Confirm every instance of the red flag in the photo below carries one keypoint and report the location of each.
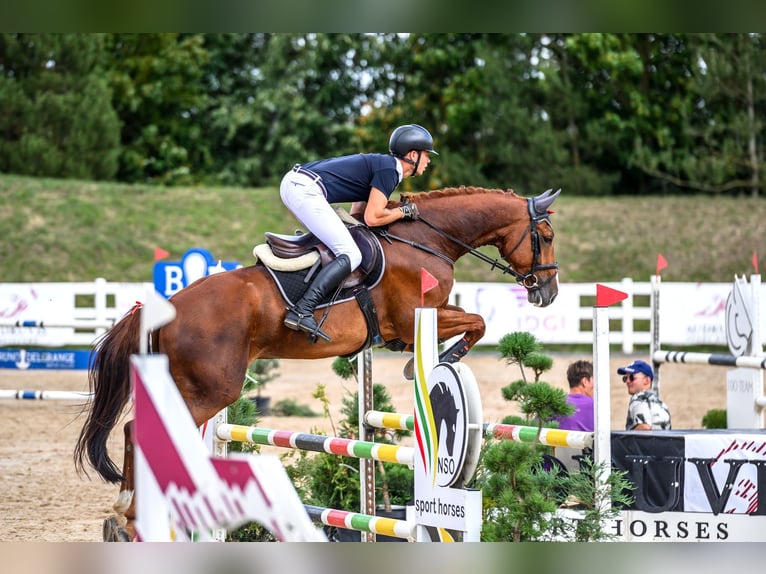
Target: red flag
(427, 282)
(661, 263)
(160, 253)
(755, 262)
(606, 296)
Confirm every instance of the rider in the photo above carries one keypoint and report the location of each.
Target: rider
(308, 190)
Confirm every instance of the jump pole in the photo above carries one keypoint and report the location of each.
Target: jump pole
(364, 450)
(516, 433)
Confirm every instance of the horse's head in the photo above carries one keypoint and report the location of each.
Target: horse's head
(532, 257)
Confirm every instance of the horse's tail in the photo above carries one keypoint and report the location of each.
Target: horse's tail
(109, 379)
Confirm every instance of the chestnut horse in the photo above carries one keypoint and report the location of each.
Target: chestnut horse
(226, 320)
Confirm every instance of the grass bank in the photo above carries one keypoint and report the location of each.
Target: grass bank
(66, 230)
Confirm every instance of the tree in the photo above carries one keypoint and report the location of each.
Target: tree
(157, 81)
(722, 145)
(56, 118)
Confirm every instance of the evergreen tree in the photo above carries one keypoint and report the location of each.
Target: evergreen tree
(56, 118)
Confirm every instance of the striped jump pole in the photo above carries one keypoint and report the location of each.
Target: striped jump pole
(709, 359)
(361, 522)
(517, 433)
(45, 395)
(317, 443)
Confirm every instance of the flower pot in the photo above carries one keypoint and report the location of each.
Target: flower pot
(263, 404)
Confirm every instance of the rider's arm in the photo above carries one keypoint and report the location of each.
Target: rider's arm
(376, 213)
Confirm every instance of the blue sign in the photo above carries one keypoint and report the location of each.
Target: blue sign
(172, 276)
(58, 359)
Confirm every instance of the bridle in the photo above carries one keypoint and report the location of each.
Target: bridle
(529, 280)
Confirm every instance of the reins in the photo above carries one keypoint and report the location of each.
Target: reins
(524, 279)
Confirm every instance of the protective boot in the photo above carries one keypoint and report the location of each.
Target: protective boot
(301, 315)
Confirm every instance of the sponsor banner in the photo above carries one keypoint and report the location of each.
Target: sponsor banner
(172, 276)
(637, 526)
(732, 466)
(712, 471)
(56, 359)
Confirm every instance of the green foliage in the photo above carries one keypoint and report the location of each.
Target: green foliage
(518, 497)
(597, 113)
(597, 498)
(715, 419)
(291, 408)
(57, 119)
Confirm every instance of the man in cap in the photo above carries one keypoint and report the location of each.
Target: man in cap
(645, 411)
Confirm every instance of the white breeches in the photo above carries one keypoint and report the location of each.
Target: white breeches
(306, 201)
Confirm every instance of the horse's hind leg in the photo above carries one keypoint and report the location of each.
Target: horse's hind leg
(121, 528)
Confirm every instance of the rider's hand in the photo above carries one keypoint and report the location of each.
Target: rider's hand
(410, 211)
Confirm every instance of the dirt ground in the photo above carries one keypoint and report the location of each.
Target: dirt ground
(43, 499)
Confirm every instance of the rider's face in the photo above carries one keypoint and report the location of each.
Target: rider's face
(423, 161)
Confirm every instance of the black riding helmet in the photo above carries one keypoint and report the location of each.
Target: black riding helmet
(409, 137)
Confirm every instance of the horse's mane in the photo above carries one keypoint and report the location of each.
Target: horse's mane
(450, 191)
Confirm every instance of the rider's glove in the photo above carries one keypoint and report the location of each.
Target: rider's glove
(410, 211)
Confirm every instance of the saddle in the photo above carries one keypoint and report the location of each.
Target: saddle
(294, 260)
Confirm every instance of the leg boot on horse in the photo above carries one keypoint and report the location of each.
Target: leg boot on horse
(301, 316)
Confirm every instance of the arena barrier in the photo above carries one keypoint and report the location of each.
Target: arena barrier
(745, 400)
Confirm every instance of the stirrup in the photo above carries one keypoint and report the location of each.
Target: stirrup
(304, 323)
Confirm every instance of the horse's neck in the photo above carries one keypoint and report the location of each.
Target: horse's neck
(473, 218)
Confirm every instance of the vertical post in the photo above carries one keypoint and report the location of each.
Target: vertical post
(756, 348)
(602, 436)
(366, 466)
(628, 317)
(654, 329)
(99, 302)
(426, 358)
(219, 448)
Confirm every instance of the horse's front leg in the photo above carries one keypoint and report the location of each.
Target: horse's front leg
(453, 321)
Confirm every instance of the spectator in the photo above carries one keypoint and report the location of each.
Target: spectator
(645, 411)
(580, 378)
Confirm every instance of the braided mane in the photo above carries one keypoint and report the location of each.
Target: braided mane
(450, 191)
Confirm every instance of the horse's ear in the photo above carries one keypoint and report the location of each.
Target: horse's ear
(543, 201)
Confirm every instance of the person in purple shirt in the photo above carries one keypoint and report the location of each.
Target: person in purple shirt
(580, 378)
(309, 189)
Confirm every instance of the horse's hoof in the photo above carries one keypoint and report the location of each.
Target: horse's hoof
(112, 531)
(409, 370)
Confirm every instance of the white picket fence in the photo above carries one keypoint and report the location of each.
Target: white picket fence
(61, 314)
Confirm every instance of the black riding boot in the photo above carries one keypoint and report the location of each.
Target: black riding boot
(301, 316)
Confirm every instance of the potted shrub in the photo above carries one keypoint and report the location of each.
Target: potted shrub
(258, 374)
